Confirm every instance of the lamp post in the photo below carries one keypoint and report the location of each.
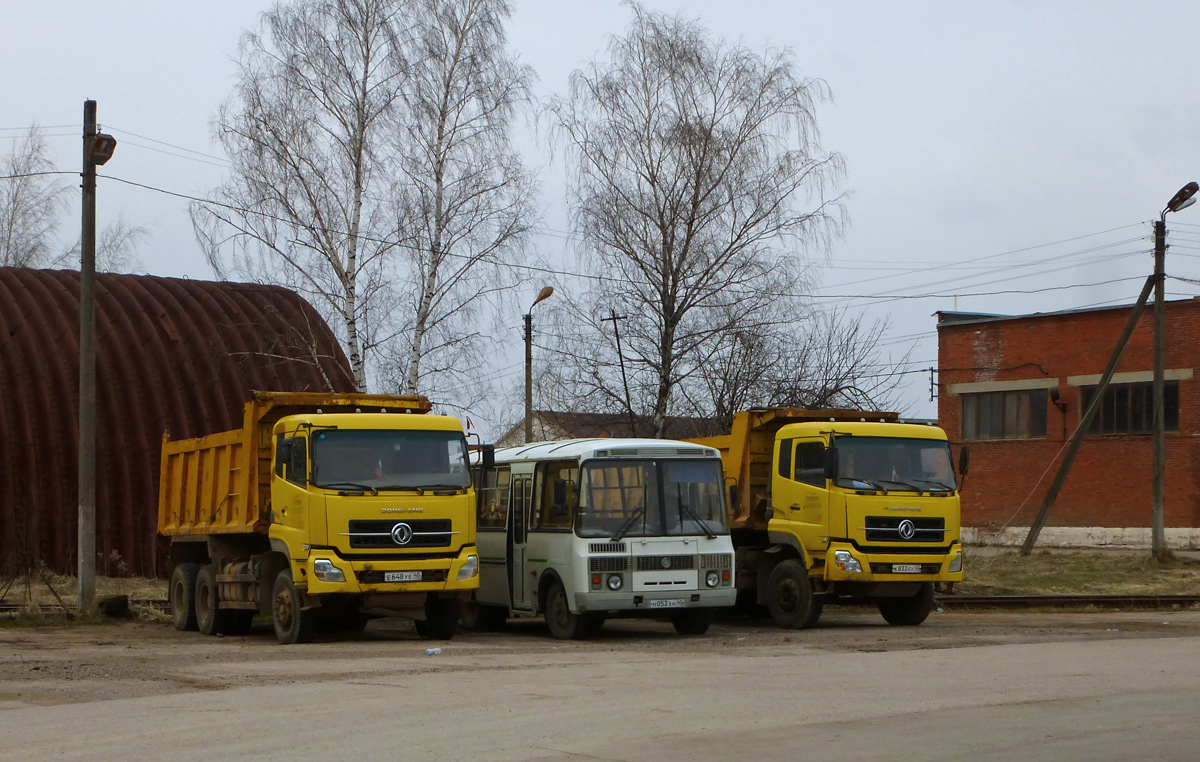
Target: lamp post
(97, 149)
(544, 294)
(1181, 200)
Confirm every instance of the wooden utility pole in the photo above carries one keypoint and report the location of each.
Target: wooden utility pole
(614, 317)
(87, 371)
(1157, 532)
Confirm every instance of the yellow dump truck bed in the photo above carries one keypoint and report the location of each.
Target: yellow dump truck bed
(221, 483)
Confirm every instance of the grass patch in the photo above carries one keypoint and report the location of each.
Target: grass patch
(1056, 572)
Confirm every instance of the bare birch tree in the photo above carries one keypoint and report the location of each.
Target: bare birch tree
(310, 201)
(466, 200)
(698, 179)
(31, 204)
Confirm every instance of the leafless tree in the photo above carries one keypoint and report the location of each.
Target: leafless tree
(116, 249)
(466, 200)
(31, 204)
(698, 179)
(310, 201)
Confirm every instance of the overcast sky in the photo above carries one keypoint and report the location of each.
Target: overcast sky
(991, 147)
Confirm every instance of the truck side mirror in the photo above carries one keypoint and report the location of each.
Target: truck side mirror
(285, 452)
(964, 460)
(831, 463)
(487, 456)
(733, 497)
(560, 491)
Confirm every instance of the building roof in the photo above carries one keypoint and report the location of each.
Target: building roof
(555, 425)
(949, 318)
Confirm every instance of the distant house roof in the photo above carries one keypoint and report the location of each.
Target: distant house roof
(550, 425)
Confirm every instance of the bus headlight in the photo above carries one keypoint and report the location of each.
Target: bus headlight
(324, 570)
(956, 564)
(712, 579)
(846, 562)
(470, 569)
(614, 582)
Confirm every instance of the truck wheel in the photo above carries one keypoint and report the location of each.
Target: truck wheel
(692, 621)
(210, 618)
(183, 596)
(790, 597)
(441, 619)
(293, 624)
(562, 623)
(480, 617)
(908, 611)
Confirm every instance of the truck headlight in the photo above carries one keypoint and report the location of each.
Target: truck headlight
(846, 562)
(712, 579)
(470, 569)
(956, 564)
(324, 570)
(614, 582)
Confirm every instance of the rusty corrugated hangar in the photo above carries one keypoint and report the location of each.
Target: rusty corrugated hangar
(171, 354)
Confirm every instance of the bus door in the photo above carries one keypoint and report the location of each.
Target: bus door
(517, 534)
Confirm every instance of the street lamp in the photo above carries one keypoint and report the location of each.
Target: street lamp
(543, 295)
(1181, 200)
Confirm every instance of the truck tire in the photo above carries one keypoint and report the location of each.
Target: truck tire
(908, 612)
(562, 623)
(790, 597)
(293, 624)
(211, 619)
(480, 617)
(183, 596)
(441, 619)
(692, 621)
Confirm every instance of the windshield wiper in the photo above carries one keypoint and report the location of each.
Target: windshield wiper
(873, 485)
(404, 488)
(944, 487)
(352, 485)
(456, 487)
(912, 487)
(688, 509)
(625, 527)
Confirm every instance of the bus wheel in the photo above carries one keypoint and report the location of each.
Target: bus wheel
(692, 621)
(183, 596)
(293, 624)
(211, 619)
(908, 611)
(441, 619)
(562, 623)
(790, 597)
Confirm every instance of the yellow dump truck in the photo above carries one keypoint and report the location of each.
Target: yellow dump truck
(835, 506)
(321, 511)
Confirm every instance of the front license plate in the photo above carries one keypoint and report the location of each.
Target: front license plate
(670, 603)
(402, 576)
(906, 568)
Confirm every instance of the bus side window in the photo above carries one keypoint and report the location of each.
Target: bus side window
(493, 507)
(560, 494)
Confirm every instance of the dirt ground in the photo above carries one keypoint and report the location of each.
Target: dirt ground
(42, 665)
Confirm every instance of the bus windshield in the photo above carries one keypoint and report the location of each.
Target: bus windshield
(647, 498)
(895, 464)
(381, 459)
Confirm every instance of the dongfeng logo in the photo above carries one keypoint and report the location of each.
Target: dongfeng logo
(402, 533)
(907, 530)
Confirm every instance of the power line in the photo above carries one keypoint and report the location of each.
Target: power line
(169, 145)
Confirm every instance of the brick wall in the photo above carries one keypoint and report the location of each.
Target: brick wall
(1110, 482)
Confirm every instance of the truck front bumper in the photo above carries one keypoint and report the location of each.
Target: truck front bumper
(436, 574)
(892, 567)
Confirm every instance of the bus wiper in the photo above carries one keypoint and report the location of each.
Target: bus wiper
(944, 487)
(628, 524)
(352, 485)
(688, 509)
(912, 487)
(404, 488)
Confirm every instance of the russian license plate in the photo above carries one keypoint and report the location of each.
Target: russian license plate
(669, 603)
(402, 576)
(906, 568)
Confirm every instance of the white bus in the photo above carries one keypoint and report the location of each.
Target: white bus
(587, 529)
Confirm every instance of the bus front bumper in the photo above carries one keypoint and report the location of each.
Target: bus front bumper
(630, 603)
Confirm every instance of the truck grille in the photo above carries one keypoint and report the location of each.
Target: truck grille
(889, 529)
(660, 563)
(425, 533)
(608, 563)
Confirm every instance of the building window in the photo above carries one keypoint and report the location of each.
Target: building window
(1129, 408)
(1004, 415)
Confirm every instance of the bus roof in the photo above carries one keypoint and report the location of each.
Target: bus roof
(582, 449)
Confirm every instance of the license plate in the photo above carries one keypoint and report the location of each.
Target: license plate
(669, 603)
(906, 568)
(402, 576)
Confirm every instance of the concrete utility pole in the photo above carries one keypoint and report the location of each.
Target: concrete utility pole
(544, 294)
(614, 317)
(97, 149)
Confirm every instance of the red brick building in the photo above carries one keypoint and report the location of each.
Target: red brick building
(998, 375)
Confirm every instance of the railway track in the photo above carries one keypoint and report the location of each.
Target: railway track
(945, 601)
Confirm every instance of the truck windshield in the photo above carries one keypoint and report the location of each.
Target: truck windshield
(895, 464)
(377, 459)
(646, 498)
